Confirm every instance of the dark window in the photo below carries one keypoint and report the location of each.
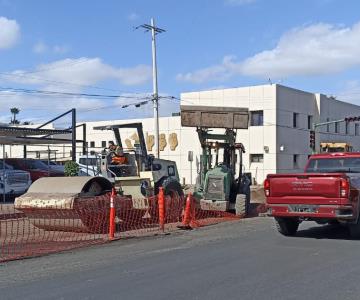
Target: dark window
(310, 122)
(346, 128)
(92, 144)
(295, 120)
(328, 125)
(325, 165)
(257, 118)
(296, 161)
(103, 144)
(336, 127)
(356, 129)
(256, 158)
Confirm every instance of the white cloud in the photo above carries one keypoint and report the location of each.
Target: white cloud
(40, 48)
(9, 33)
(238, 2)
(220, 72)
(42, 108)
(79, 71)
(133, 17)
(310, 50)
(60, 49)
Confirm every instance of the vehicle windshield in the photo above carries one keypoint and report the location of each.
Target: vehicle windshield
(334, 165)
(7, 167)
(90, 161)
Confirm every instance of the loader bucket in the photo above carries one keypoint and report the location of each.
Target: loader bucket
(67, 203)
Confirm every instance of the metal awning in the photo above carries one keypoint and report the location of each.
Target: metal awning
(32, 136)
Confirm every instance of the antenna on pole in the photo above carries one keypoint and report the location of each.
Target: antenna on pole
(154, 31)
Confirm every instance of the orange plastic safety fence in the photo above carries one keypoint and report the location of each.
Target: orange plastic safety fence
(37, 231)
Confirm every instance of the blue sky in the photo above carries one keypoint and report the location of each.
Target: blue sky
(72, 46)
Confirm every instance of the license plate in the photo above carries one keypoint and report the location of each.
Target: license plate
(301, 208)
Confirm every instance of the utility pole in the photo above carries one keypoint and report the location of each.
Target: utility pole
(154, 31)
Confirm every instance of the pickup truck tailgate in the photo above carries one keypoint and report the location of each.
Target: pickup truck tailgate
(305, 188)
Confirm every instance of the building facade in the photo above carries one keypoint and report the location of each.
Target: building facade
(277, 140)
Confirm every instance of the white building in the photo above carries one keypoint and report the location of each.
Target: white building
(276, 141)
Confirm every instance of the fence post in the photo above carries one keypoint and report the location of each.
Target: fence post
(161, 204)
(112, 215)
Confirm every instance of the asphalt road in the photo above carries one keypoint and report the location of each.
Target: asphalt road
(237, 260)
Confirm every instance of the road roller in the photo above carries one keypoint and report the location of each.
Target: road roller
(82, 203)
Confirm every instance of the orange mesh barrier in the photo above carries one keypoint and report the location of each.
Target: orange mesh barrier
(33, 232)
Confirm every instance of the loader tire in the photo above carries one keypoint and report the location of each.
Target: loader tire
(287, 226)
(242, 205)
(170, 186)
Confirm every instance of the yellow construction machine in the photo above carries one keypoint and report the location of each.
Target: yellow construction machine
(57, 203)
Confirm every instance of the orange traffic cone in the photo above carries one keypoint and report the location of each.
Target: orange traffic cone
(112, 215)
(187, 214)
(161, 204)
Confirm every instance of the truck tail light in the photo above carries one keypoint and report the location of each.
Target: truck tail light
(344, 188)
(267, 187)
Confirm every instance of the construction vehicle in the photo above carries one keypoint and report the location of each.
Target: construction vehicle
(136, 181)
(220, 185)
(335, 147)
(142, 174)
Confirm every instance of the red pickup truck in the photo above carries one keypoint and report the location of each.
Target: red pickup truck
(328, 192)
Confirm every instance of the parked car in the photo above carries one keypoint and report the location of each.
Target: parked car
(89, 165)
(13, 182)
(53, 165)
(36, 168)
(327, 193)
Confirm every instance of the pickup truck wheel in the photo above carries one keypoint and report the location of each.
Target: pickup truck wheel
(355, 229)
(287, 226)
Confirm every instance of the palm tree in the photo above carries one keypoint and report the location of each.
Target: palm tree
(14, 111)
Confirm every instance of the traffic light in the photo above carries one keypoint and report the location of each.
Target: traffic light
(352, 119)
(312, 139)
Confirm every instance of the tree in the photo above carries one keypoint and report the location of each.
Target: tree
(14, 111)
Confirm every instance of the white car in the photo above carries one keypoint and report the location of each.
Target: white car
(89, 165)
(13, 182)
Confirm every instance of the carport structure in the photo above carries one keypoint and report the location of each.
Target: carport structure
(11, 135)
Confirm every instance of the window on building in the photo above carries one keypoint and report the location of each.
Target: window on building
(328, 125)
(356, 129)
(257, 118)
(103, 144)
(256, 158)
(336, 127)
(295, 120)
(346, 128)
(92, 144)
(296, 161)
(310, 122)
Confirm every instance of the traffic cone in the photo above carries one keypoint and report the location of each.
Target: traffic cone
(112, 215)
(161, 205)
(187, 214)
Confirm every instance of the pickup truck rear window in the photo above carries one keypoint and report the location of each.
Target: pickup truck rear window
(334, 165)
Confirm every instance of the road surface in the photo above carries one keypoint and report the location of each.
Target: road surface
(244, 259)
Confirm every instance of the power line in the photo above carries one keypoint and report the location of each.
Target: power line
(58, 93)
(57, 82)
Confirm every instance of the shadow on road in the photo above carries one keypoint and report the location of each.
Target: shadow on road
(334, 232)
